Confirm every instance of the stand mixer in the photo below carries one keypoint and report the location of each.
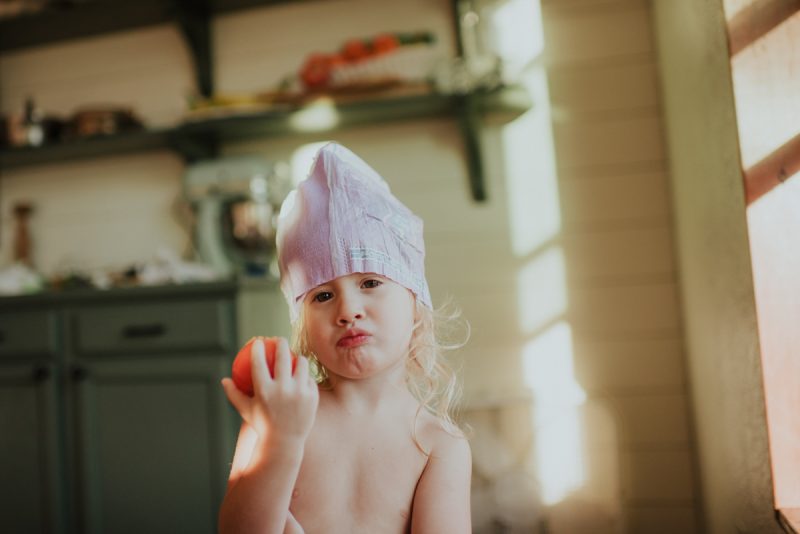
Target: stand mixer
(236, 201)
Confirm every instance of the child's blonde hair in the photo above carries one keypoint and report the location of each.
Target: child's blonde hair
(429, 376)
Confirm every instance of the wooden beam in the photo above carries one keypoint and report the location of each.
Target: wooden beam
(773, 170)
(757, 20)
(790, 519)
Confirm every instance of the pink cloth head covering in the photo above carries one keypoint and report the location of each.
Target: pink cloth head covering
(343, 219)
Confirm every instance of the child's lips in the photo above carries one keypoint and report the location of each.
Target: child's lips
(353, 341)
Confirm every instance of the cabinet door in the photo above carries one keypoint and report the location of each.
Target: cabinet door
(26, 334)
(31, 481)
(154, 438)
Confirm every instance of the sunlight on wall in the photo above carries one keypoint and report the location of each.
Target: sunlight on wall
(535, 225)
(541, 287)
(547, 363)
(510, 36)
(532, 193)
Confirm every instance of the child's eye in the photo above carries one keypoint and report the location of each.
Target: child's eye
(322, 296)
(372, 283)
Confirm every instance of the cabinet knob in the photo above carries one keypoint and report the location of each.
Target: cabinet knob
(41, 373)
(79, 374)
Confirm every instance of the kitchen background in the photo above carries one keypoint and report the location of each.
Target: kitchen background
(599, 275)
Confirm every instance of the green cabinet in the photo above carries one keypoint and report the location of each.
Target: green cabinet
(31, 478)
(32, 483)
(112, 417)
(146, 432)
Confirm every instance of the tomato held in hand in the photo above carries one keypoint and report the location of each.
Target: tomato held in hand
(242, 370)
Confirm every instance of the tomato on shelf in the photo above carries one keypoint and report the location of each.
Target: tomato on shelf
(357, 60)
(316, 71)
(356, 49)
(385, 42)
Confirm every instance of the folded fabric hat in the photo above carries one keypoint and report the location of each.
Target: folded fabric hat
(343, 219)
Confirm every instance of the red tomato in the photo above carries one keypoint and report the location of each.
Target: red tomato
(355, 49)
(316, 71)
(336, 60)
(242, 370)
(385, 42)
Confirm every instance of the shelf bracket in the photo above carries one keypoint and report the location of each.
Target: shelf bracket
(467, 110)
(469, 121)
(194, 18)
(195, 147)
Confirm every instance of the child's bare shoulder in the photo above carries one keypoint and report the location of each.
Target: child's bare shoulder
(443, 439)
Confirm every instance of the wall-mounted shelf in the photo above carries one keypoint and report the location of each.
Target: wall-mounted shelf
(91, 147)
(87, 19)
(64, 22)
(199, 139)
(202, 138)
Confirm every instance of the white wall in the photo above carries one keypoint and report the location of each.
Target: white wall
(613, 182)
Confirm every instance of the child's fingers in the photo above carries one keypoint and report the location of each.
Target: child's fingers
(236, 397)
(312, 378)
(304, 376)
(283, 360)
(312, 384)
(258, 367)
(301, 372)
(307, 378)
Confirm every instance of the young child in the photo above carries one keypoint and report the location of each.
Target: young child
(368, 446)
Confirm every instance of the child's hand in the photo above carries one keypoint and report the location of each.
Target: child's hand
(285, 405)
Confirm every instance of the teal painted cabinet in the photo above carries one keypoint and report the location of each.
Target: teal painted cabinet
(32, 483)
(30, 467)
(118, 424)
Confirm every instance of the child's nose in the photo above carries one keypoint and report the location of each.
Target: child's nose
(350, 309)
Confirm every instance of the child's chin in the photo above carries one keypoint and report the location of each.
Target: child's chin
(359, 365)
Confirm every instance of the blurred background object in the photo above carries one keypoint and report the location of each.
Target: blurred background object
(477, 66)
(22, 234)
(31, 127)
(102, 120)
(15, 8)
(236, 201)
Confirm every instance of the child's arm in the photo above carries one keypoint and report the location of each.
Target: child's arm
(442, 499)
(270, 447)
(245, 446)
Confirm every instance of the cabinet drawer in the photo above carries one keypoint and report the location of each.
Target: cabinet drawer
(152, 327)
(27, 333)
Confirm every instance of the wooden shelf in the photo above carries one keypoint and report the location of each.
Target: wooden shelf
(90, 18)
(97, 17)
(201, 138)
(91, 147)
(388, 108)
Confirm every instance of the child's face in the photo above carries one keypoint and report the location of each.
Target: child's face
(360, 324)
